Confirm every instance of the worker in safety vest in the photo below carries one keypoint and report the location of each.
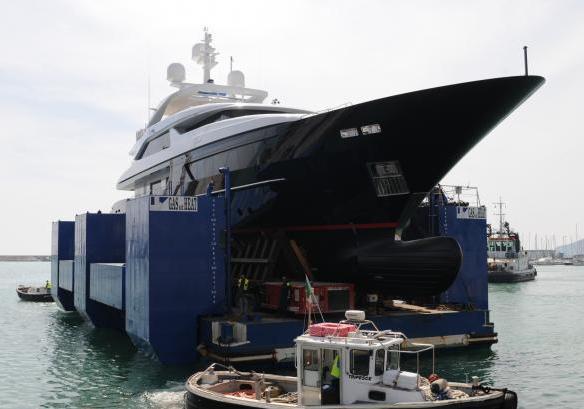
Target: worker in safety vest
(336, 377)
(243, 290)
(48, 285)
(335, 370)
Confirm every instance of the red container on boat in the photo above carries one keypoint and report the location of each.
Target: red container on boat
(324, 329)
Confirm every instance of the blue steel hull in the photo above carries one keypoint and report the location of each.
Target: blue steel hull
(266, 337)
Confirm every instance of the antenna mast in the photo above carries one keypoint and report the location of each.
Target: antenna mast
(500, 204)
(525, 60)
(204, 54)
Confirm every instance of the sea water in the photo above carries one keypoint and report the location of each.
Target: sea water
(53, 359)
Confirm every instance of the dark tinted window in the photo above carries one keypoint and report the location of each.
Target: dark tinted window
(379, 361)
(221, 116)
(360, 362)
(156, 145)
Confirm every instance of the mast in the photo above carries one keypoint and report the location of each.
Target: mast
(204, 54)
(501, 215)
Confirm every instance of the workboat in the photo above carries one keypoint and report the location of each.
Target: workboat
(350, 364)
(507, 261)
(364, 168)
(38, 294)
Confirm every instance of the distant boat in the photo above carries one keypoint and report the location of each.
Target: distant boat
(37, 294)
(507, 261)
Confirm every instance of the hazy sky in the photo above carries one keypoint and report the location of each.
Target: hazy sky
(74, 74)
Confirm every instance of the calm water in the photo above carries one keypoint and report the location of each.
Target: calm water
(53, 359)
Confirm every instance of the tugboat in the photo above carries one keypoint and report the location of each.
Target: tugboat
(37, 294)
(350, 364)
(507, 261)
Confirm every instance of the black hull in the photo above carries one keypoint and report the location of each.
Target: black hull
(326, 196)
(508, 401)
(34, 297)
(504, 277)
(327, 179)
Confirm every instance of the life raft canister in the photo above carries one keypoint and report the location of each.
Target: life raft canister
(325, 329)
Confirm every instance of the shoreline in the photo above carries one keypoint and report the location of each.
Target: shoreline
(25, 258)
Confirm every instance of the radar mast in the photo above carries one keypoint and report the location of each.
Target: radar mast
(204, 54)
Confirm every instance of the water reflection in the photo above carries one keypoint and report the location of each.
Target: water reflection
(460, 365)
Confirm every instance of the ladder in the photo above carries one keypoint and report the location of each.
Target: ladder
(254, 257)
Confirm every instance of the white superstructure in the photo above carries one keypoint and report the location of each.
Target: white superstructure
(194, 116)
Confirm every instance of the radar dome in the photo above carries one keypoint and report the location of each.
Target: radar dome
(236, 79)
(175, 73)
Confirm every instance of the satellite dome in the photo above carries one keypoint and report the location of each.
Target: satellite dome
(175, 73)
(236, 79)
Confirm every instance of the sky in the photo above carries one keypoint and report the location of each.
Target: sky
(74, 78)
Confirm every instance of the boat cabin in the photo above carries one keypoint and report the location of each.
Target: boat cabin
(342, 363)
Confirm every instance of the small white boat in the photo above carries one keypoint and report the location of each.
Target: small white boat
(369, 376)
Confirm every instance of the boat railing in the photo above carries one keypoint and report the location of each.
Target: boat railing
(329, 109)
(417, 352)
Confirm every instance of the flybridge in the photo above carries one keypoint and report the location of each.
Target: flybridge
(190, 94)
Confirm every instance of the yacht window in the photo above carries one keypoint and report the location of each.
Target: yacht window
(379, 361)
(155, 187)
(360, 362)
(156, 145)
(221, 116)
(310, 359)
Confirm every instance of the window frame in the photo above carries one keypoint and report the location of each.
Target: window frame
(393, 356)
(352, 361)
(376, 362)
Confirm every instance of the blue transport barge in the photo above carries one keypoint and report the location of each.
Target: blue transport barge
(162, 273)
(237, 203)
